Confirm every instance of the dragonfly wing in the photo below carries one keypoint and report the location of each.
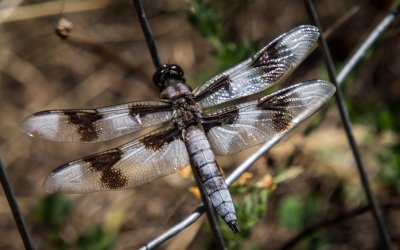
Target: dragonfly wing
(271, 64)
(96, 125)
(236, 128)
(143, 160)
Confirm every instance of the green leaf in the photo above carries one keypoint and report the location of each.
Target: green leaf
(389, 174)
(205, 20)
(295, 212)
(95, 238)
(290, 212)
(250, 210)
(231, 53)
(52, 210)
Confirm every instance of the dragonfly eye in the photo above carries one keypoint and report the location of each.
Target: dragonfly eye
(167, 72)
(175, 70)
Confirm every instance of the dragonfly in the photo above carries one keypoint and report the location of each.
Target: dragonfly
(190, 127)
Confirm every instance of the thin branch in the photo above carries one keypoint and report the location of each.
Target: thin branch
(243, 167)
(377, 214)
(338, 218)
(19, 220)
(147, 33)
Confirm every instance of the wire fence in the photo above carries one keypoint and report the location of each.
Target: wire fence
(338, 80)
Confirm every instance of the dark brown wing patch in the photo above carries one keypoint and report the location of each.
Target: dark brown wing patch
(225, 117)
(222, 82)
(271, 61)
(111, 177)
(158, 140)
(281, 121)
(275, 51)
(142, 110)
(85, 124)
(279, 104)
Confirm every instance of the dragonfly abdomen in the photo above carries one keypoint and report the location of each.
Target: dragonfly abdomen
(203, 160)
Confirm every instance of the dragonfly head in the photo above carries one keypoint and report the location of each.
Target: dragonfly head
(167, 72)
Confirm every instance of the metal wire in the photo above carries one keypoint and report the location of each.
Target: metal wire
(12, 202)
(244, 166)
(147, 33)
(364, 47)
(376, 211)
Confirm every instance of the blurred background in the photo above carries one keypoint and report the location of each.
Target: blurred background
(307, 185)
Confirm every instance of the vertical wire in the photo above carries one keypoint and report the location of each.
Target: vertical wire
(212, 218)
(19, 220)
(147, 33)
(377, 213)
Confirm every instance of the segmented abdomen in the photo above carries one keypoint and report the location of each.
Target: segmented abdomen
(202, 158)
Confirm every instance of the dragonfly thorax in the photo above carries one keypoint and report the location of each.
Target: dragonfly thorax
(175, 89)
(170, 79)
(186, 113)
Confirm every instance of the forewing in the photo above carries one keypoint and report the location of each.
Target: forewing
(145, 159)
(95, 125)
(264, 69)
(239, 127)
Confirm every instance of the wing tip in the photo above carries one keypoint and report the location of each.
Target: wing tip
(26, 127)
(31, 125)
(50, 184)
(55, 182)
(44, 125)
(331, 88)
(308, 27)
(305, 29)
